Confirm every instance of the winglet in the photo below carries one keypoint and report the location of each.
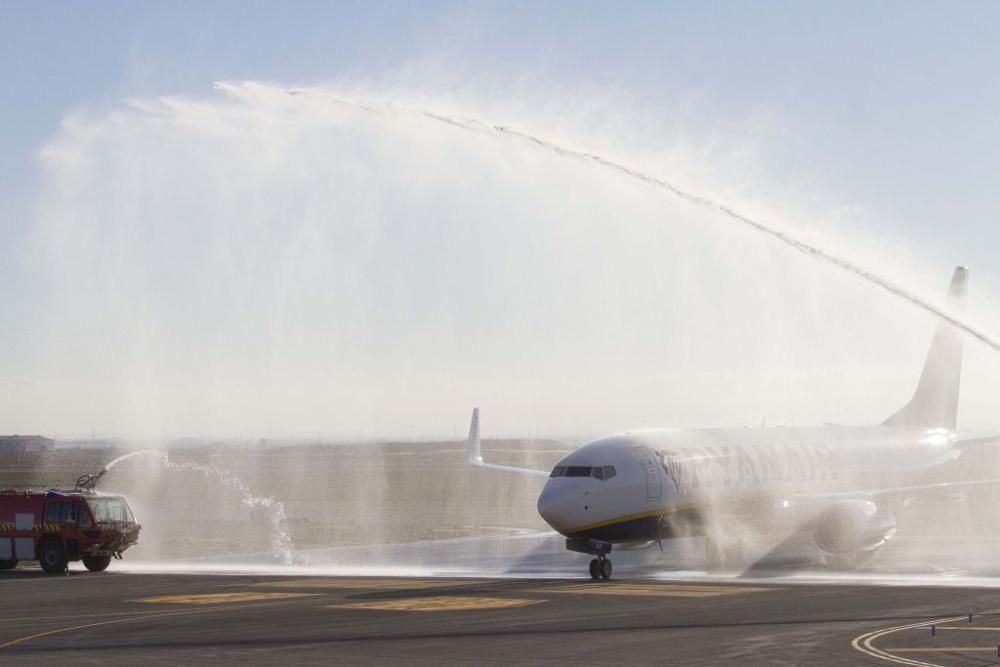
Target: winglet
(935, 401)
(474, 453)
(473, 450)
(959, 286)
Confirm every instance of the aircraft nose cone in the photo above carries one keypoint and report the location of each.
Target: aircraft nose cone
(546, 505)
(556, 505)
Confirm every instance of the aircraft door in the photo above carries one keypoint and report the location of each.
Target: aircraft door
(654, 478)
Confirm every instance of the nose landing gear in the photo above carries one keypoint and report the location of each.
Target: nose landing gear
(600, 568)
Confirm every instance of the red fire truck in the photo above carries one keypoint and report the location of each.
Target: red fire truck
(55, 527)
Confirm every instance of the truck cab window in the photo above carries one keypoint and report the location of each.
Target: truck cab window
(53, 513)
(70, 512)
(110, 509)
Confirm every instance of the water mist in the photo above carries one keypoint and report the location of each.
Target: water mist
(304, 277)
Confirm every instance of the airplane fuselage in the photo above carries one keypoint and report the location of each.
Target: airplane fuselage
(666, 481)
(845, 484)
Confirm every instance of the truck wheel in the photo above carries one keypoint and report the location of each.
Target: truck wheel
(8, 564)
(52, 556)
(96, 563)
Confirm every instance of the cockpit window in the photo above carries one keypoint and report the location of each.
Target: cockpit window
(604, 472)
(597, 472)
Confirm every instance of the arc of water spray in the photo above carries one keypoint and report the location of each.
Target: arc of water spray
(281, 540)
(785, 237)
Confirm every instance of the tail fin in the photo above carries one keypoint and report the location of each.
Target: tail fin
(935, 402)
(473, 449)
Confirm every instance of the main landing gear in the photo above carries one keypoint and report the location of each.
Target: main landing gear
(600, 566)
(724, 554)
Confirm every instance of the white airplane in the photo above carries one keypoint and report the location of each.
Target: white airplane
(844, 484)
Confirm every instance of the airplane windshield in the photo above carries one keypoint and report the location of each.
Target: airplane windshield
(597, 472)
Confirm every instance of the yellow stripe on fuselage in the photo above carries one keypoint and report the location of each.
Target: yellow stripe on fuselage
(662, 511)
(839, 485)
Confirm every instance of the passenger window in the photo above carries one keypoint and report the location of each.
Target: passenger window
(53, 513)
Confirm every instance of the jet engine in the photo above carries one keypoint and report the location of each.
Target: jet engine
(853, 525)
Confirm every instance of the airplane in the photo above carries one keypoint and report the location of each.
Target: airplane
(844, 484)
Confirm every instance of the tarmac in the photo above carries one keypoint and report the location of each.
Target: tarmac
(196, 618)
(408, 558)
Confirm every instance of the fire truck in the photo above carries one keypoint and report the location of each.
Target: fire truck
(55, 527)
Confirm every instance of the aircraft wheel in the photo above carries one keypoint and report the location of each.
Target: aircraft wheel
(595, 569)
(845, 562)
(713, 555)
(605, 569)
(735, 555)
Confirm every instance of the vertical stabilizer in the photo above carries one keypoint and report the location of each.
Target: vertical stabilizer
(935, 402)
(473, 449)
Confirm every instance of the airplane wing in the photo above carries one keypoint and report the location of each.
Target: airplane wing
(899, 494)
(805, 509)
(972, 443)
(943, 490)
(473, 453)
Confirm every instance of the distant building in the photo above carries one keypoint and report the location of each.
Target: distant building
(19, 444)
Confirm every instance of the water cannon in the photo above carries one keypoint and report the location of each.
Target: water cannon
(87, 483)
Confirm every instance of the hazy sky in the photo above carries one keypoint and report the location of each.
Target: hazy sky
(879, 119)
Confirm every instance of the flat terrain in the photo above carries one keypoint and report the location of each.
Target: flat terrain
(255, 498)
(237, 499)
(401, 554)
(185, 618)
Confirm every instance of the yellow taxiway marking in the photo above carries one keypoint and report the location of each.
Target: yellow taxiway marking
(38, 635)
(942, 649)
(220, 598)
(865, 643)
(654, 590)
(130, 619)
(439, 603)
(43, 578)
(389, 583)
(25, 619)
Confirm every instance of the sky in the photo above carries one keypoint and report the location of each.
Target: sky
(873, 124)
